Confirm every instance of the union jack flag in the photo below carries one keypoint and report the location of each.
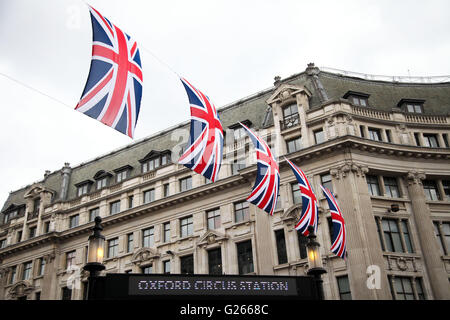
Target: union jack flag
(203, 154)
(310, 210)
(265, 191)
(113, 89)
(338, 243)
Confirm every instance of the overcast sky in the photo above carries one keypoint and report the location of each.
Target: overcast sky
(228, 49)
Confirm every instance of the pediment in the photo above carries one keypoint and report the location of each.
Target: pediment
(287, 92)
(21, 288)
(292, 213)
(101, 174)
(36, 189)
(154, 154)
(211, 236)
(144, 255)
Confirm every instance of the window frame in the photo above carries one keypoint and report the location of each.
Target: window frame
(185, 184)
(186, 226)
(113, 248)
(241, 211)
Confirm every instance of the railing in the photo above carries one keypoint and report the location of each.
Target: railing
(372, 113)
(404, 79)
(290, 122)
(32, 215)
(426, 119)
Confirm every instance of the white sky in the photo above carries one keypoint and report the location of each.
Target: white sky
(228, 49)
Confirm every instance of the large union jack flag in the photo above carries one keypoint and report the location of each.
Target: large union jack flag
(338, 243)
(309, 215)
(204, 151)
(265, 191)
(113, 89)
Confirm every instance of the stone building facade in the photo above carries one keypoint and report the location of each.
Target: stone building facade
(381, 146)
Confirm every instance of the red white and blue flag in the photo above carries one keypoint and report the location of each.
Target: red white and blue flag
(113, 89)
(265, 191)
(338, 243)
(204, 151)
(309, 215)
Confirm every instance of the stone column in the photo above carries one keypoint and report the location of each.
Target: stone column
(303, 106)
(47, 290)
(428, 243)
(363, 244)
(264, 247)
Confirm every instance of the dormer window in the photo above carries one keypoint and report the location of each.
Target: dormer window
(102, 179)
(411, 105)
(123, 173)
(83, 187)
(290, 117)
(239, 131)
(357, 98)
(154, 160)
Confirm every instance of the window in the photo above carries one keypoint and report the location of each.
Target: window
(114, 207)
(130, 201)
(344, 288)
(389, 135)
(102, 182)
(319, 136)
(37, 296)
(166, 227)
(394, 232)
(290, 117)
(10, 215)
(148, 237)
(70, 258)
(237, 165)
(391, 187)
(166, 190)
(213, 217)
(402, 288)
(446, 141)
(279, 204)
(147, 269)
(155, 163)
(93, 213)
(446, 187)
(241, 211)
(442, 232)
(359, 101)
(186, 227)
(281, 246)
(414, 107)
(431, 190)
(47, 227)
(296, 194)
(19, 236)
(32, 232)
(215, 261)
(239, 133)
(372, 183)
(130, 238)
(375, 134)
(187, 264)
(2, 243)
(13, 275)
(166, 266)
(149, 195)
(36, 205)
(121, 175)
(41, 267)
(417, 139)
(73, 221)
(325, 180)
(27, 270)
(245, 257)
(83, 189)
(302, 241)
(294, 144)
(66, 293)
(185, 184)
(362, 131)
(430, 140)
(391, 236)
(113, 247)
(406, 236)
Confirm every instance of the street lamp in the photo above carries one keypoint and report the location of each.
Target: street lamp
(315, 261)
(94, 263)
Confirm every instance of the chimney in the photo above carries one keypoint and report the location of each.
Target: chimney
(277, 81)
(65, 172)
(46, 174)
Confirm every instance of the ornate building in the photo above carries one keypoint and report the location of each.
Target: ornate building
(381, 145)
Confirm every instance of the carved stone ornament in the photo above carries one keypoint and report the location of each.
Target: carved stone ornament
(414, 177)
(348, 167)
(402, 264)
(285, 94)
(211, 237)
(144, 255)
(21, 288)
(292, 214)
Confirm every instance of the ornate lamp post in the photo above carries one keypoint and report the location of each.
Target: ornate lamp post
(315, 261)
(95, 257)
